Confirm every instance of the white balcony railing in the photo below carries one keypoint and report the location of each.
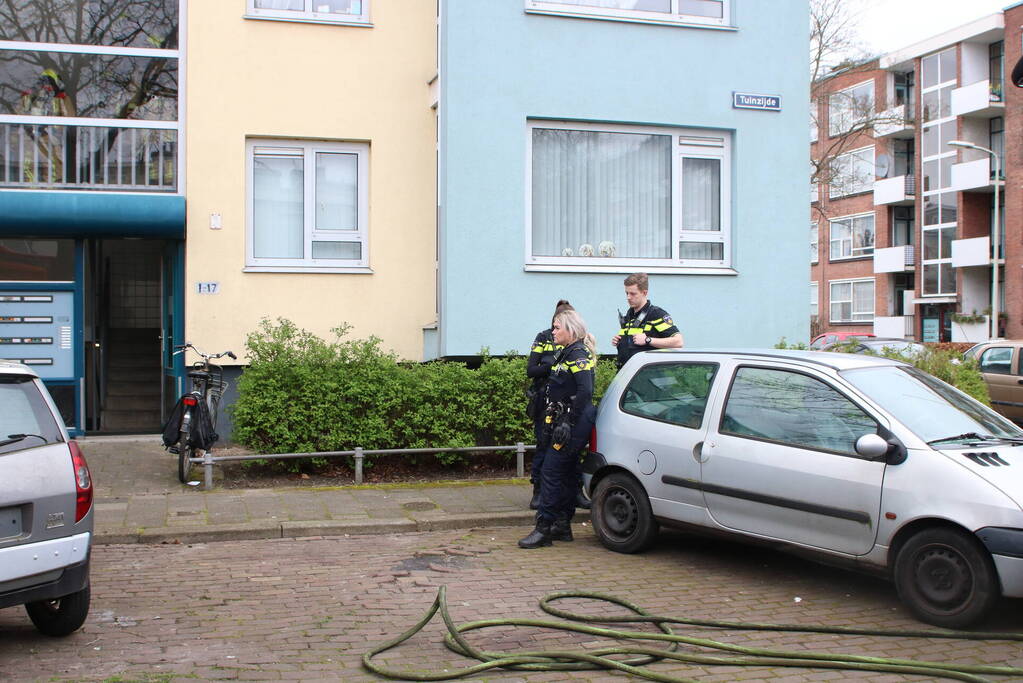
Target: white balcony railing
(895, 326)
(894, 259)
(972, 175)
(895, 191)
(88, 158)
(893, 123)
(983, 98)
(975, 251)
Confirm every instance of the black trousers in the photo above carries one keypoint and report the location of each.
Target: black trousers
(559, 474)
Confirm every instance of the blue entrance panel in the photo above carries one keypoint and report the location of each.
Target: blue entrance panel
(37, 329)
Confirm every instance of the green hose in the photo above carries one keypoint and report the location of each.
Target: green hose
(639, 656)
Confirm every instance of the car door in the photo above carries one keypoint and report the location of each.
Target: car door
(780, 461)
(662, 413)
(1000, 367)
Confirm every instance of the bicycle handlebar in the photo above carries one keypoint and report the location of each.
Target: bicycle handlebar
(182, 348)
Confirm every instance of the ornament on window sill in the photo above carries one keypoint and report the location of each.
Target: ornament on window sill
(567, 251)
(586, 250)
(607, 249)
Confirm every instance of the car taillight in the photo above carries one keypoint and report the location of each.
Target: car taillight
(189, 401)
(83, 482)
(593, 439)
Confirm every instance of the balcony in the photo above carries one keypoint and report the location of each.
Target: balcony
(971, 332)
(56, 157)
(893, 123)
(896, 326)
(897, 191)
(972, 252)
(973, 175)
(981, 99)
(894, 259)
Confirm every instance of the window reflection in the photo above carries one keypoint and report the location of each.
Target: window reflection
(670, 392)
(121, 23)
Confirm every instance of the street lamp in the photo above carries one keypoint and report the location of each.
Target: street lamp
(995, 232)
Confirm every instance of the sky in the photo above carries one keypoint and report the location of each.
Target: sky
(887, 25)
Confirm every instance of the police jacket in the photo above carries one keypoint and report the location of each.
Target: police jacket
(541, 357)
(652, 321)
(571, 380)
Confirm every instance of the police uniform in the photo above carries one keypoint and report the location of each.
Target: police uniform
(653, 321)
(538, 367)
(569, 384)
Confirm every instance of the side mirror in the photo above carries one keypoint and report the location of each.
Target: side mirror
(871, 446)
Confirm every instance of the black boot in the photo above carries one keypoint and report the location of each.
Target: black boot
(534, 502)
(540, 536)
(581, 501)
(561, 530)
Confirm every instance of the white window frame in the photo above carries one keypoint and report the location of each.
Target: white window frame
(815, 300)
(863, 252)
(308, 264)
(851, 300)
(309, 14)
(815, 244)
(675, 17)
(841, 120)
(847, 188)
(687, 143)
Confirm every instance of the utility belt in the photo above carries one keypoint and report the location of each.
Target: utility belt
(557, 423)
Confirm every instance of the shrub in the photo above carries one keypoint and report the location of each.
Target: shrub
(304, 394)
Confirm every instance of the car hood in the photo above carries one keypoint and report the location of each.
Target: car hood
(1001, 465)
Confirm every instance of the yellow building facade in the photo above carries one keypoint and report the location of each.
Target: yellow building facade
(310, 162)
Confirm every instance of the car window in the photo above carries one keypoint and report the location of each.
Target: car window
(23, 410)
(997, 360)
(670, 392)
(793, 408)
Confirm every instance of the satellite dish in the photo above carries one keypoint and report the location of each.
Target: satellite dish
(882, 165)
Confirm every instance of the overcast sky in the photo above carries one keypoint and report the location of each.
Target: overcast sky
(887, 25)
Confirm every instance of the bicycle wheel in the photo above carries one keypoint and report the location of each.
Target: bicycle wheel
(184, 458)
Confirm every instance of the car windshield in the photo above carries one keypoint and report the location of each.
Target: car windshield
(897, 346)
(932, 409)
(25, 419)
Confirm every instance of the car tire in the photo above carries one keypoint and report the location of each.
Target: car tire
(62, 616)
(946, 577)
(621, 514)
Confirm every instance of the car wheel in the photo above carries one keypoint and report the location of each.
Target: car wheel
(62, 616)
(621, 514)
(184, 459)
(946, 577)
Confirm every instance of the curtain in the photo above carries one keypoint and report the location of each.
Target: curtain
(337, 191)
(601, 194)
(701, 194)
(277, 223)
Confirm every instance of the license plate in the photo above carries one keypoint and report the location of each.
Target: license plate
(10, 522)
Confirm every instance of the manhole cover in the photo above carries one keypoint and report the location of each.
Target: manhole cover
(419, 505)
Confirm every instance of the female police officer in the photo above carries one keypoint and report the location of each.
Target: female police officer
(538, 367)
(570, 413)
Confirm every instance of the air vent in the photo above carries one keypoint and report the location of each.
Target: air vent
(987, 459)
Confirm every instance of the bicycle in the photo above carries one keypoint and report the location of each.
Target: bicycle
(208, 387)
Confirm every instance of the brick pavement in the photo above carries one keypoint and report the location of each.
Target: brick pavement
(306, 609)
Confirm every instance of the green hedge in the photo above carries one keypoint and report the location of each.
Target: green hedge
(303, 394)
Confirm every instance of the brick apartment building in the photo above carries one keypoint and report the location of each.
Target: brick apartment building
(901, 221)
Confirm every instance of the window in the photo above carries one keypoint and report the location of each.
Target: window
(903, 232)
(307, 205)
(619, 196)
(940, 210)
(670, 392)
(997, 361)
(328, 11)
(852, 301)
(794, 409)
(814, 244)
(815, 191)
(814, 300)
(813, 122)
(698, 12)
(851, 108)
(852, 173)
(996, 143)
(852, 237)
(996, 68)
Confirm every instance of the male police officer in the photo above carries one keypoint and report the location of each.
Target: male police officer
(644, 326)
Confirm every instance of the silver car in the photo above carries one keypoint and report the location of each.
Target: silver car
(46, 517)
(855, 460)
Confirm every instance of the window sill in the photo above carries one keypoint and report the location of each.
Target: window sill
(845, 259)
(851, 322)
(359, 270)
(311, 20)
(626, 268)
(631, 20)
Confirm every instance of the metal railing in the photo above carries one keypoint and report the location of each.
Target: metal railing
(208, 460)
(65, 157)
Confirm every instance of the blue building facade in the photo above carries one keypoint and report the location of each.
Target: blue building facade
(580, 143)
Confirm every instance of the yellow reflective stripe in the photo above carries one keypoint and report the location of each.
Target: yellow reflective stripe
(662, 327)
(538, 348)
(630, 331)
(580, 365)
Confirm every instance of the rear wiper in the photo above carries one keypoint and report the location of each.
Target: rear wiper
(15, 438)
(974, 436)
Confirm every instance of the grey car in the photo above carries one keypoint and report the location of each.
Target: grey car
(854, 460)
(46, 517)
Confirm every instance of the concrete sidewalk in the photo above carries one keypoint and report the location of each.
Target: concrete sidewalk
(139, 500)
